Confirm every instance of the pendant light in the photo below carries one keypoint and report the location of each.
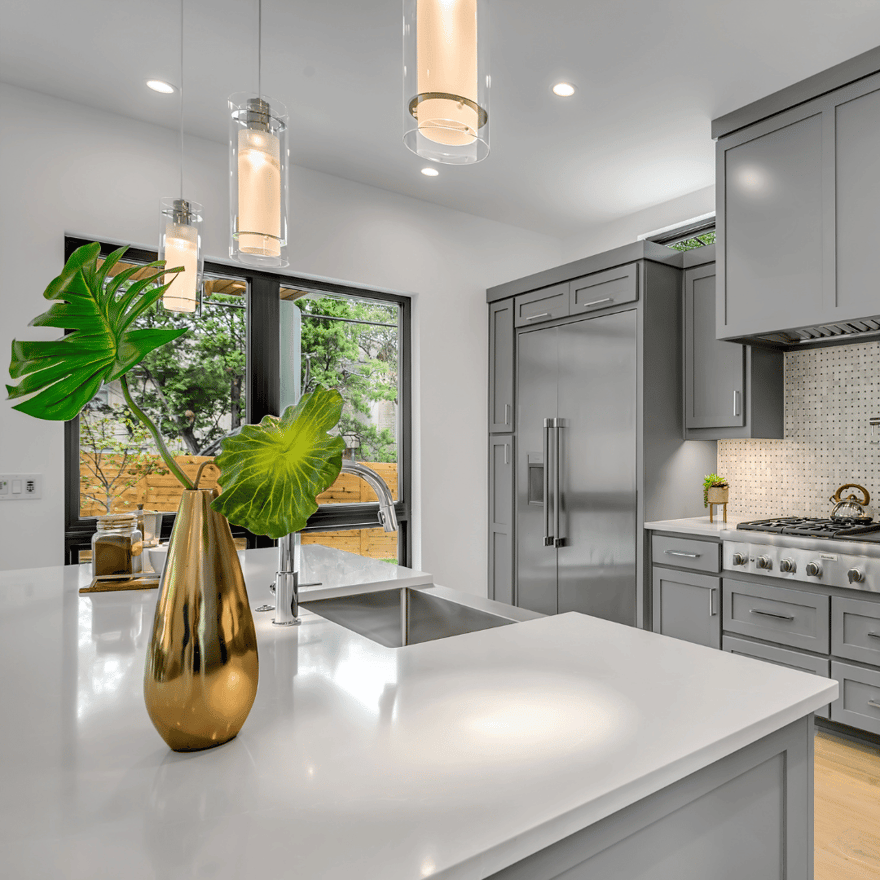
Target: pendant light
(179, 239)
(258, 160)
(446, 80)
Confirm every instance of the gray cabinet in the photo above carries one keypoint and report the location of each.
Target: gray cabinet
(541, 305)
(730, 390)
(686, 606)
(501, 367)
(602, 290)
(797, 196)
(858, 703)
(501, 518)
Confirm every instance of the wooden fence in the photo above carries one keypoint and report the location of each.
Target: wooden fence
(163, 492)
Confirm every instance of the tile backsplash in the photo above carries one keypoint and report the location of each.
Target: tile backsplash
(830, 394)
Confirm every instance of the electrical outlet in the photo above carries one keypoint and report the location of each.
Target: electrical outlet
(18, 487)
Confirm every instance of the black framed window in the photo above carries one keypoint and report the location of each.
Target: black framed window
(258, 339)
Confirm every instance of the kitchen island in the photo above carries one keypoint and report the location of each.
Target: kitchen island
(521, 750)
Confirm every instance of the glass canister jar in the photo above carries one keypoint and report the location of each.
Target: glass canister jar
(117, 546)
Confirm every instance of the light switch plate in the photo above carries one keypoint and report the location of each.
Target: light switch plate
(20, 487)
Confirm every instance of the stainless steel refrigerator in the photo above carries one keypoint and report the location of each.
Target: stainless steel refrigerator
(576, 504)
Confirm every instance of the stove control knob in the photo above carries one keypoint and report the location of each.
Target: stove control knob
(787, 565)
(764, 562)
(814, 570)
(855, 576)
(739, 559)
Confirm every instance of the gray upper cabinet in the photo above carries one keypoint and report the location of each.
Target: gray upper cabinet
(541, 305)
(797, 196)
(501, 367)
(730, 390)
(603, 290)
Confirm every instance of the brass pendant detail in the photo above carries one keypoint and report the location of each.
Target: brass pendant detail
(201, 672)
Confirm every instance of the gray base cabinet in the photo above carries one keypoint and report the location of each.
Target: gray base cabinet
(731, 391)
(686, 606)
(749, 815)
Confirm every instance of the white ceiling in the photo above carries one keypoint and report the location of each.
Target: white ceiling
(651, 74)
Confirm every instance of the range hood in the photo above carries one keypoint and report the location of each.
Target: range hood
(839, 333)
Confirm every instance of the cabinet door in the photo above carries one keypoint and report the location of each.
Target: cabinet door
(770, 225)
(686, 606)
(501, 518)
(602, 290)
(542, 305)
(501, 365)
(857, 176)
(714, 371)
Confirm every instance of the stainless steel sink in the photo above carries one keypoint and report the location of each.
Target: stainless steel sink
(395, 618)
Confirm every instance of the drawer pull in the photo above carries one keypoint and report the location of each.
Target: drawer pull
(682, 553)
(541, 315)
(874, 704)
(772, 614)
(597, 302)
(874, 635)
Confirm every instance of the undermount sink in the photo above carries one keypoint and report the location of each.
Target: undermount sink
(395, 618)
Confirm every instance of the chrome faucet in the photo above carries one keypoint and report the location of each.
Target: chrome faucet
(286, 586)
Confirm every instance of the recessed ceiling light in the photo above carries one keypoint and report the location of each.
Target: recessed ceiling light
(564, 90)
(159, 85)
(430, 172)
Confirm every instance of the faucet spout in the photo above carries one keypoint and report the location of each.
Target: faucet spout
(287, 576)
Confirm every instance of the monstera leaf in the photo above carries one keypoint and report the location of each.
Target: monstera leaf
(271, 473)
(64, 374)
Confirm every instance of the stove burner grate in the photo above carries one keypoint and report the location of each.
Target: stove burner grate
(812, 527)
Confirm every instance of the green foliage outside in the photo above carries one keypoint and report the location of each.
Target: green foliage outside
(690, 244)
(360, 360)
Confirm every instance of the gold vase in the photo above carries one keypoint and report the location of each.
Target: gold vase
(201, 672)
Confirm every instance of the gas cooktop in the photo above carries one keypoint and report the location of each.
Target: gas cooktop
(851, 528)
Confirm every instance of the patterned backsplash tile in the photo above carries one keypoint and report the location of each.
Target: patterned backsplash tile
(830, 394)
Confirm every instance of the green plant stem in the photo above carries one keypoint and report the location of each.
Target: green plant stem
(173, 466)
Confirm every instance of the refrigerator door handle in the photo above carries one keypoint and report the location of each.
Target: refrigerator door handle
(559, 538)
(548, 538)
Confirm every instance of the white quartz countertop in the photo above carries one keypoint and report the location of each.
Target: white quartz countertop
(697, 525)
(452, 758)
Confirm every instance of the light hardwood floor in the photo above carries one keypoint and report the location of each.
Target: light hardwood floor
(847, 815)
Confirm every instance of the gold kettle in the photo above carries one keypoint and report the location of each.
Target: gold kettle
(850, 507)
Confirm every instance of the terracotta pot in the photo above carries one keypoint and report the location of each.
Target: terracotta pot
(201, 672)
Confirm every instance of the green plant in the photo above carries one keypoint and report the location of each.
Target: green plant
(271, 473)
(712, 481)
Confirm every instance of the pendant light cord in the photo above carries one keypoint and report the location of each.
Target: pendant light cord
(259, 48)
(181, 99)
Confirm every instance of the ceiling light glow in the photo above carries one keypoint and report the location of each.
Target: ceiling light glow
(563, 90)
(430, 172)
(159, 85)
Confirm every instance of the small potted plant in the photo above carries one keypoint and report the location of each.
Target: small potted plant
(716, 490)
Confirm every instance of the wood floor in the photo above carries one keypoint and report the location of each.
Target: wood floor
(847, 815)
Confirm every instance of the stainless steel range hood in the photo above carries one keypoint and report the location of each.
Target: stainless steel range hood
(841, 333)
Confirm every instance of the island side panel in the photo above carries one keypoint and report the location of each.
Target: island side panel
(748, 815)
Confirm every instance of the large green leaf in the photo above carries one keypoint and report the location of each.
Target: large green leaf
(272, 473)
(64, 374)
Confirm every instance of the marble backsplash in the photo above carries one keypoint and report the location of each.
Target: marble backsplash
(830, 394)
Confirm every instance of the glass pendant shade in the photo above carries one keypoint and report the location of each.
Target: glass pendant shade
(258, 161)
(446, 80)
(180, 245)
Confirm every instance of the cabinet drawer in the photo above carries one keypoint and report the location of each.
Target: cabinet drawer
(602, 290)
(686, 553)
(781, 657)
(859, 701)
(855, 630)
(541, 305)
(788, 617)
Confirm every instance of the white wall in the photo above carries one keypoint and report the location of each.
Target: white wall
(626, 230)
(65, 168)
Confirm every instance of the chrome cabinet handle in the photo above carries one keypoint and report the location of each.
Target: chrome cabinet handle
(597, 302)
(540, 315)
(874, 703)
(548, 538)
(507, 453)
(559, 539)
(736, 403)
(712, 611)
(772, 614)
(682, 553)
(506, 413)
(874, 635)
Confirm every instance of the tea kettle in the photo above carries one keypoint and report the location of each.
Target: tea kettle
(850, 506)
